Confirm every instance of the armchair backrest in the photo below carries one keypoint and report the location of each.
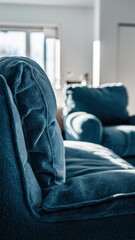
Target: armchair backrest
(35, 101)
(16, 176)
(107, 102)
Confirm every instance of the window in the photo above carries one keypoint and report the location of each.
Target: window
(38, 43)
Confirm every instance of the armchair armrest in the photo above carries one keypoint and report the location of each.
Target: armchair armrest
(81, 126)
(131, 120)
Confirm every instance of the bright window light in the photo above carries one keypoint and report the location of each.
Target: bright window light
(96, 63)
(53, 61)
(57, 64)
(38, 43)
(50, 58)
(37, 47)
(12, 43)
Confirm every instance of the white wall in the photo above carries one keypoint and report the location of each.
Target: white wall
(76, 33)
(112, 12)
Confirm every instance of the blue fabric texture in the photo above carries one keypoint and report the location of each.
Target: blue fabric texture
(120, 139)
(99, 186)
(82, 126)
(131, 120)
(110, 126)
(108, 102)
(36, 104)
(13, 146)
(86, 158)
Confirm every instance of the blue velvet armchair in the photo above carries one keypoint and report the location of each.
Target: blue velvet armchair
(50, 190)
(99, 115)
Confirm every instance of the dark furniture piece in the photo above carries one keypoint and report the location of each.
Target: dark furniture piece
(99, 115)
(86, 193)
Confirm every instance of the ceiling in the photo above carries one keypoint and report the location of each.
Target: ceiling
(77, 3)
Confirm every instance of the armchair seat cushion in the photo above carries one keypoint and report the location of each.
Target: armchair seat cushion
(99, 184)
(120, 139)
(89, 158)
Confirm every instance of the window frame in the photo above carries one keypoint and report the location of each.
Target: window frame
(50, 31)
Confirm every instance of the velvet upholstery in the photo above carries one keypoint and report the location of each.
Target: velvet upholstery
(121, 139)
(82, 126)
(25, 212)
(108, 102)
(31, 89)
(108, 124)
(11, 132)
(96, 177)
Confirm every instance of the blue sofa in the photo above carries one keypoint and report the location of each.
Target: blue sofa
(99, 115)
(49, 189)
